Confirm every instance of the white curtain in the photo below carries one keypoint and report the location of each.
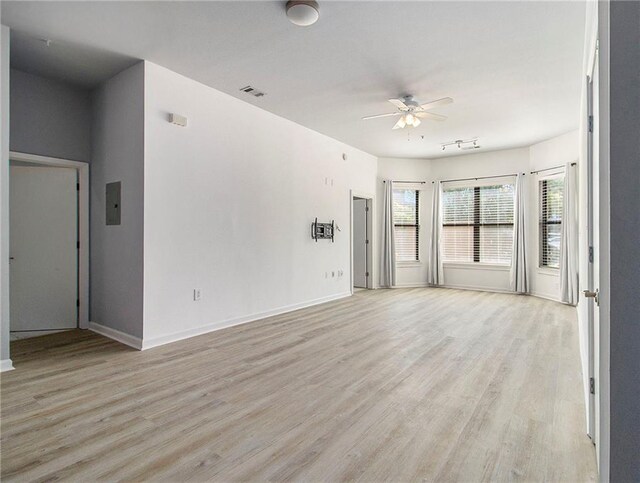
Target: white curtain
(569, 239)
(388, 262)
(435, 275)
(519, 277)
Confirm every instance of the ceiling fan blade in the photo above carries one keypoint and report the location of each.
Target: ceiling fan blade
(398, 103)
(440, 102)
(381, 115)
(430, 115)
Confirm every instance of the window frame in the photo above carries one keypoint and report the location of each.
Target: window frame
(416, 225)
(543, 222)
(477, 225)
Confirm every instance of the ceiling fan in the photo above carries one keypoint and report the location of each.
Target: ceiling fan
(411, 111)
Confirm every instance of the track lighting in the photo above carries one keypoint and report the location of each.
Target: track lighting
(462, 144)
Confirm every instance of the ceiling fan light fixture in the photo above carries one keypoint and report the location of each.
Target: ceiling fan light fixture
(302, 12)
(400, 124)
(411, 111)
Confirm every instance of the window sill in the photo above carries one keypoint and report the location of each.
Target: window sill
(477, 266)
(551, 272)
(416, 263)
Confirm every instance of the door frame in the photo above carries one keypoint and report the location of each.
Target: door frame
(371, 231)
(591, 282)
(83, 222)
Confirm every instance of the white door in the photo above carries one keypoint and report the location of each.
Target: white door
(360, 242)
(44, 254)
(594, 265)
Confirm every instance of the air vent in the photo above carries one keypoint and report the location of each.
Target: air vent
(252, 91)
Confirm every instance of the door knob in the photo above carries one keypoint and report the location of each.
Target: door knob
(593, 295)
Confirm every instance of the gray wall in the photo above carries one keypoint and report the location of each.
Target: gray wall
(49, 118)
(118, 155)
(624, 78)
(4, 193)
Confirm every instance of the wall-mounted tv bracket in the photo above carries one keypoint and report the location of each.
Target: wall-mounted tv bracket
(323, 231)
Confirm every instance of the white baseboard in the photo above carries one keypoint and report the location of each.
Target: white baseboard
(410, 285)
(546, 297)
(477, 288)
(117, 335)
(186, 334)
(6, 365)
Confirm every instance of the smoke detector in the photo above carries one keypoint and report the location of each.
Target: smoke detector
(302, 12)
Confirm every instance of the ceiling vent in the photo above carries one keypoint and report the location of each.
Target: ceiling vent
(252, 91)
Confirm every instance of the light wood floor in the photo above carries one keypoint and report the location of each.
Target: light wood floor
(412, 384)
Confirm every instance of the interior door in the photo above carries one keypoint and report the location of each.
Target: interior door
(43, 245)
(594, 256)
(360, 268)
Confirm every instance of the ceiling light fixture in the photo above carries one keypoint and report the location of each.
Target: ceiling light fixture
(400, 124)
(462, 144)
(407, 120)
(411, 112)
(303, 12)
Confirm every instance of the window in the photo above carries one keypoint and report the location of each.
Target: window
(551, 195)
(406, 219)
(477, 224)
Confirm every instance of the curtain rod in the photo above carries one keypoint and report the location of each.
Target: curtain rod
(394, 181)
(549, 169)
(478, 177)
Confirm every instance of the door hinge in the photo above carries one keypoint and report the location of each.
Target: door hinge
(78, 245)
(590, 254)
(590, 123)
(77, 186)
(592, 385)
(366, 274)
(77, 302)
(366, 242)
(366, 208)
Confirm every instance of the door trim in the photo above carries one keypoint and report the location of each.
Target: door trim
(591, 402)
(83, 223)
(371, 236)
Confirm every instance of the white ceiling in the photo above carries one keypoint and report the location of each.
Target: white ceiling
(513, 68)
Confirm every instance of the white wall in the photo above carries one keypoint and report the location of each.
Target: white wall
(118, 155)
(49, 118)
(229, 201)
(5, 361)
(408, 274)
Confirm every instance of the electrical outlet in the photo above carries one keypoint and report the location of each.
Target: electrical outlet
(197, 294)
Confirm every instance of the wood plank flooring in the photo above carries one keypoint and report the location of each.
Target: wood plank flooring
(402, 385)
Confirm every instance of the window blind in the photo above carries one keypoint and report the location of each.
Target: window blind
(477, 223)
(551, 200)
(406, 206)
